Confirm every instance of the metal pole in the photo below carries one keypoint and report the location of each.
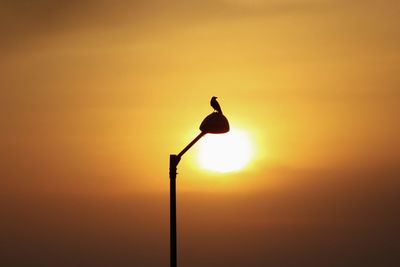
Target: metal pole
(173, 163)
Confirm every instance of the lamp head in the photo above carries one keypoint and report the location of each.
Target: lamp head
(215, 123)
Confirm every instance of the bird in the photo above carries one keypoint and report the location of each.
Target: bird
(215, 105)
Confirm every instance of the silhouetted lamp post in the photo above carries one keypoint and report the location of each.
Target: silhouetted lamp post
(215, 123)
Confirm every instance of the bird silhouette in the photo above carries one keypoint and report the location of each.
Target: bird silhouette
(215, 105)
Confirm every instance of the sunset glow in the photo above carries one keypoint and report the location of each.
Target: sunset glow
(95, 97)
(227, 152)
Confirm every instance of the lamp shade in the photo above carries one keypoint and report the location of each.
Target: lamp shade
(215, 123)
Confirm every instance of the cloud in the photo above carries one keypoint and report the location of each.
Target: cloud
(320, 218)
(22, 21)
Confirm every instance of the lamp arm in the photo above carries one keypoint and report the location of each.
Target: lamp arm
(200, 135)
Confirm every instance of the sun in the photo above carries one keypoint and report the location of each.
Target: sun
(225, 152)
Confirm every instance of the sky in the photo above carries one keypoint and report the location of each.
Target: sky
(95, 95)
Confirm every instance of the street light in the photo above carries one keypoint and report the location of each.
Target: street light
(215, 123)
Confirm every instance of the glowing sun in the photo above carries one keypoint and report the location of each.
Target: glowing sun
(225, 152)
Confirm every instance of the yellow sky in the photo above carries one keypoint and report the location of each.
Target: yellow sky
(122, 85)
(95, 95)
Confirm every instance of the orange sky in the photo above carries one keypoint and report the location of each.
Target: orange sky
(96, 94)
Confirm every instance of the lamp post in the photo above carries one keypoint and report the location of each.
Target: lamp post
(215, 123)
